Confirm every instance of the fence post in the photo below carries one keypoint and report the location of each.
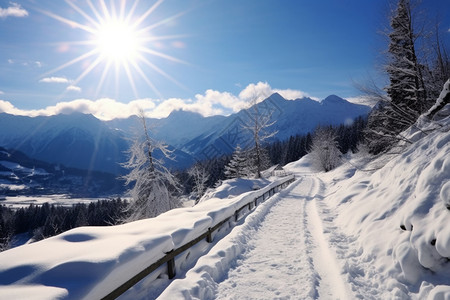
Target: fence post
(171, 270)
(209, 236)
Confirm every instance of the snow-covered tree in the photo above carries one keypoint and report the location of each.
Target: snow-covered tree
(240, 164)
(200, 177)
(258, 124)
(324, 151)
(154, 185)
(406, 95)
(437, 67)
(406, 90)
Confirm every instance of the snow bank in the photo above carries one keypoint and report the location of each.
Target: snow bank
(89, 262)
(233, 187)
(202, 280)
(400, 215)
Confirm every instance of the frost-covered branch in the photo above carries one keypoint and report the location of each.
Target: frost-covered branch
(154, 185)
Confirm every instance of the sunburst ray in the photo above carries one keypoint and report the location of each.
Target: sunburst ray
(120, 39)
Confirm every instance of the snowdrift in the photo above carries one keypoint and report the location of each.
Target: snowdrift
(400, 215)
(89, 262)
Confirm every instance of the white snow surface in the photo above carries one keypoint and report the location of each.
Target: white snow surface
(370, 229)
(85, 262)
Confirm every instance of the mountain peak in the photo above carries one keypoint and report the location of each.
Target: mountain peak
(183, 113)
(277, 97)
(334, 99)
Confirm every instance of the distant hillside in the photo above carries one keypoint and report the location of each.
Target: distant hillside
(22, 175)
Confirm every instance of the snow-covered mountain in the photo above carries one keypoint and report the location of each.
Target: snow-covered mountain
(83, 141)
(177, 129)
(76, 140)
(290, 117)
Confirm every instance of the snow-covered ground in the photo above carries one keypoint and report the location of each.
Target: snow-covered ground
(15, 202)
(370, 229)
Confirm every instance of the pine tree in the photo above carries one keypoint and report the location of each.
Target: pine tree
(406, 94)
(406, 89)
(239, 165)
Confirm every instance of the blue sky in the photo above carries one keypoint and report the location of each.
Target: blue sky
(209, 56)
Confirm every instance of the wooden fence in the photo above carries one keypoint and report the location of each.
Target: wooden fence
(169, 258)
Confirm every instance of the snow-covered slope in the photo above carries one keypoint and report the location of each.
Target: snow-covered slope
(398, 216)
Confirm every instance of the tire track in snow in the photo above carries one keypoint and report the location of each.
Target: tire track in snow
(360, 274)
(330, 283)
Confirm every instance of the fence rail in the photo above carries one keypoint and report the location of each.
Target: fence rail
(169, 258)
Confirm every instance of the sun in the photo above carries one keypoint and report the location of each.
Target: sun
(118, 40)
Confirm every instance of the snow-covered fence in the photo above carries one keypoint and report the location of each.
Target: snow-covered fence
(246, 204)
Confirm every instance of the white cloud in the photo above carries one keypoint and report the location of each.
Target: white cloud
(289, 94)
(262, 90)
(259, 91)
(104, 108)
(7, 107)
(10, 61)
(73, 88)
(15, 10)
(54, 80)
(210, 103)
(1, 92)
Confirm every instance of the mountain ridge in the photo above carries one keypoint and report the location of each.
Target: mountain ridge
(83, 141)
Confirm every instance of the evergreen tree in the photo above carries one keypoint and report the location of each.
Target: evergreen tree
(406, 94)
(406, 90)
(239, 165)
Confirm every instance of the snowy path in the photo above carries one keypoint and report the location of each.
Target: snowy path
(289, 256)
